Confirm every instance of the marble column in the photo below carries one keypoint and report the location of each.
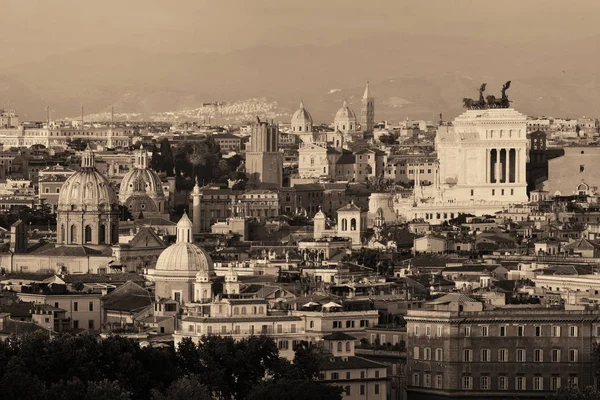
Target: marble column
(497, 166)
(518, 165)
(488, 160)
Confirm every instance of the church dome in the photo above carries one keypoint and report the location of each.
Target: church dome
(345, 113)
(87, 189)
(141, 179)
(184, 256)
(302, 120)
(345, 119)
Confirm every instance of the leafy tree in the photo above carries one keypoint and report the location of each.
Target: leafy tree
(307, 361)
(106, 390)
(184, 388)
(572, 392)
(78, 286)
(162, 157)
(296, 390)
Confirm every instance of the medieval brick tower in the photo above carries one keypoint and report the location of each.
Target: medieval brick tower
(264, 162)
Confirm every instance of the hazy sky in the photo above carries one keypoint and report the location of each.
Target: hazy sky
(34, 29)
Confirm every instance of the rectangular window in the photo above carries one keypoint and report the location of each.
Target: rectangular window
(484, 331)
(538, 383)
(439, 381)
(335, 376)
(485, 355)
(556, 355)
(439, 354)
(428, 330)
(503, 355)
(520, 383)
(348, 375)
(485, 382)
(573, 331)
(427, 353)
(427, 380)
(538, 355)
(91, 306)
(467, 331)
(538, 331)
(502, 383)
(467, 355)
(472, 192)
(416, 353)
(467, 382)
(556, 331)
(521, 355)
(573, 380)
(439, 331)
(91, 324)
(573, 355)
(376, 389)
(416, 330)
(415, 382)
(493, 192)
(555, 382)
(521, 331)
(75, 306)
(502, 331)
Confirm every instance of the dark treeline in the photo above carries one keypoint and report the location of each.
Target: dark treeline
(34, 366)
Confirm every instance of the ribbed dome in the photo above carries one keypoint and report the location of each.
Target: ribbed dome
(87, 189)
(184, 256)
(141, 180)
(302, 116)
(345, 113)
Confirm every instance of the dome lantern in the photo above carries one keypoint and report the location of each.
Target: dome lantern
(87, 158)
(184, 229)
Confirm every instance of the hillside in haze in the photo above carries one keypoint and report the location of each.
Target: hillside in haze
(411, 78)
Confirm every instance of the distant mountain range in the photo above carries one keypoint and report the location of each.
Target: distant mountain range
(412, 77)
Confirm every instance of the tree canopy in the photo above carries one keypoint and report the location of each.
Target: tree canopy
(34, 366)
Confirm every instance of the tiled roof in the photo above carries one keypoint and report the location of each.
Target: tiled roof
(105, 278)
(128, 297)
(352, 362)
(74, 251)
(254, 318)
(339, 336)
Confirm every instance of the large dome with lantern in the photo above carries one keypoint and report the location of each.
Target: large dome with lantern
(88, 208)
(142, 180)
(87, 189)
(184, 257)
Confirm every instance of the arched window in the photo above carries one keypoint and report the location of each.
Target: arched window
(115, 234)
(353, 224)
(73, 234)
(344, 224)
(260, 310)
(243, 310)
(348, 346)
(339, 346)
(254, 310)
(88, 234)
(236, 310)
(205, 294)
(102, 234)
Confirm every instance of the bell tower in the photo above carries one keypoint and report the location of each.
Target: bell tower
(367, 112)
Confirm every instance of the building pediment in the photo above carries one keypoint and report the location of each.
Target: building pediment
(146, 237)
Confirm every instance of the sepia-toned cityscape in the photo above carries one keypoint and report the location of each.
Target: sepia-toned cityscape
(390, 200)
